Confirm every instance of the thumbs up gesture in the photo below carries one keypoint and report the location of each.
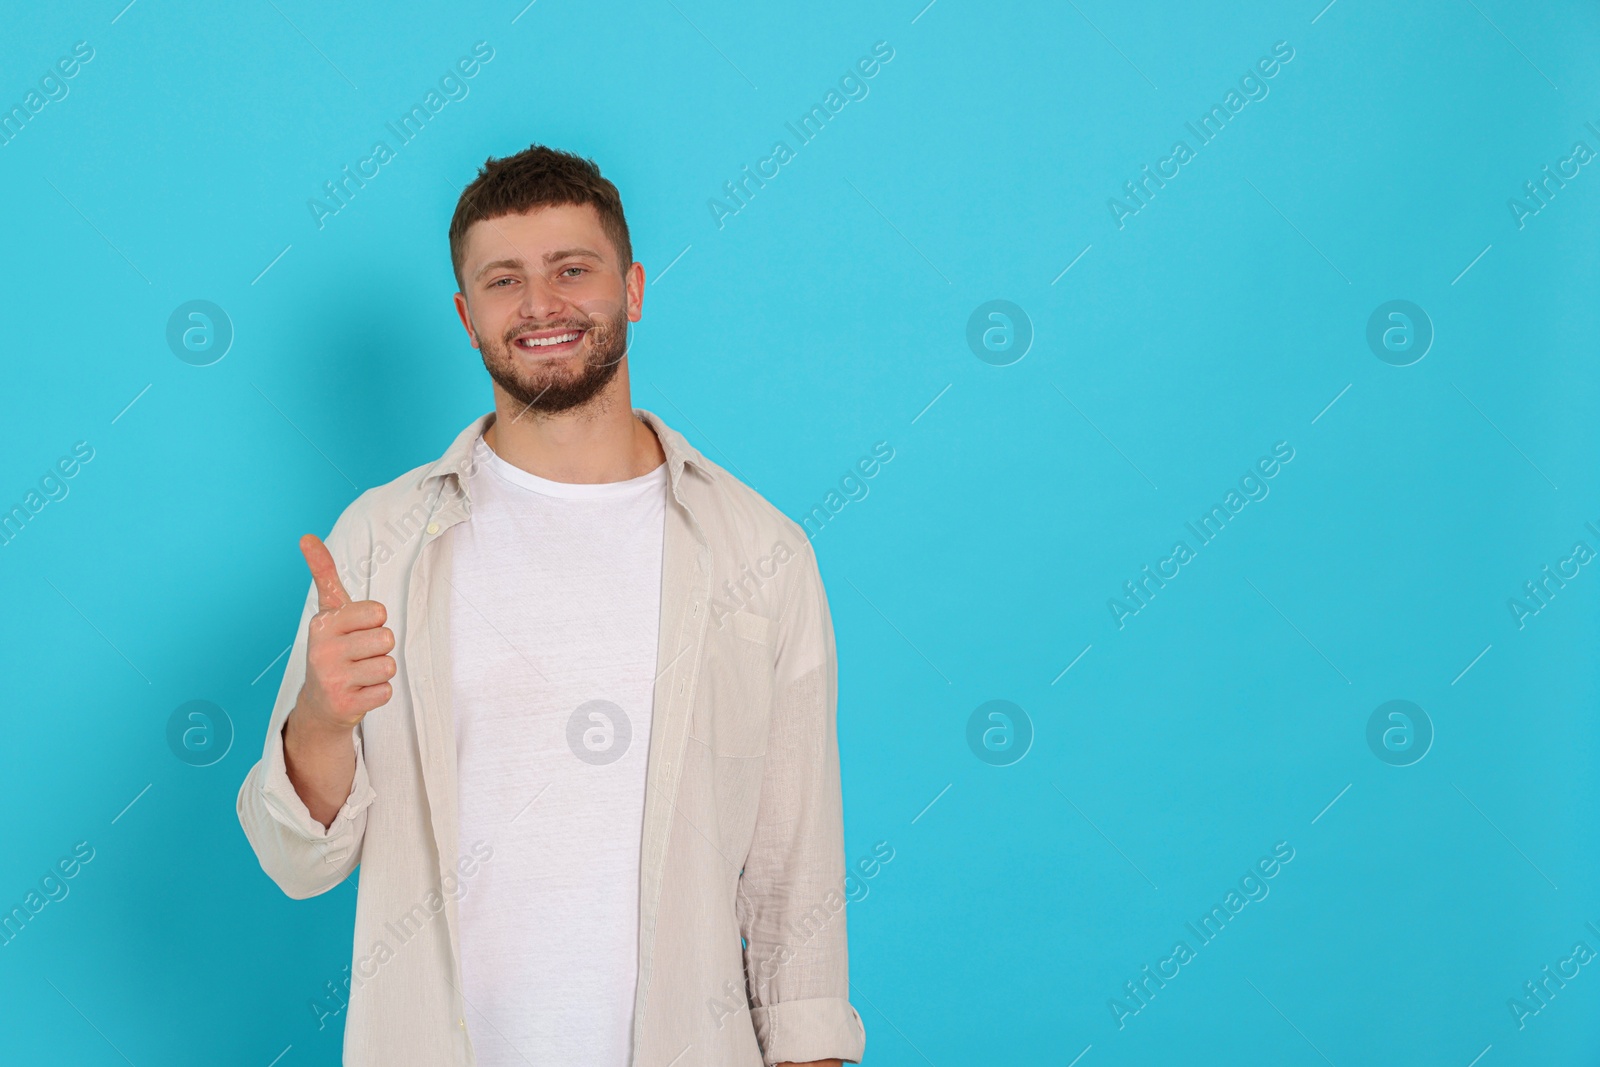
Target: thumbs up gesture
(348, 665)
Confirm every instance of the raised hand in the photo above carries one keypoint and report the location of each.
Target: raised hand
(348, 665)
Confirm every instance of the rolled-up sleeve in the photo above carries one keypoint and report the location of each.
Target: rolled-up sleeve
(791, 898)
(295, 850)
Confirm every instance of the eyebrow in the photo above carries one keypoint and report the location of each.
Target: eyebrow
(549, 257)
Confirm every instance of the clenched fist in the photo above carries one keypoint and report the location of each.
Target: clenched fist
(348, 665)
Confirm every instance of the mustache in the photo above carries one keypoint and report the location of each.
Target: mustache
(512, 333)
(600, 332)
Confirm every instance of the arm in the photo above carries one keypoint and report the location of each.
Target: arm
(791, 899)
(303, 805)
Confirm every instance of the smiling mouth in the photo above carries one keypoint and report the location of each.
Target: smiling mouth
(550, 344)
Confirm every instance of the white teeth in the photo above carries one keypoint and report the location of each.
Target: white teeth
(545, 342)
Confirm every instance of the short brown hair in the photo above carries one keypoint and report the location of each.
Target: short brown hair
(537, 177)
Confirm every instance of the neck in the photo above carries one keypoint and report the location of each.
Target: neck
(601, 441)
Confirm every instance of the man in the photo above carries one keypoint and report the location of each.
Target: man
(567, 695)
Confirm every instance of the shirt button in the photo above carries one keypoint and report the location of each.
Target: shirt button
(462, 1023)
(433, 527)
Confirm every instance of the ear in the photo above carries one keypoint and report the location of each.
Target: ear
(466, 318)
(635, 283)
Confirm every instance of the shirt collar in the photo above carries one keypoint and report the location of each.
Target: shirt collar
(457, 459)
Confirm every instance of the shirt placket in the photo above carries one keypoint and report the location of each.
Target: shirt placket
(428, 648)
(686, 587)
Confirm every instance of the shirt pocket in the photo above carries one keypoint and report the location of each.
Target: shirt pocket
(734, 711)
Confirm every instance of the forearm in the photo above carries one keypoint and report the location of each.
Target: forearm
(321, 763)
(302, 855)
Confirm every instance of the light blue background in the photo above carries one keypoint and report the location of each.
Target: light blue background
(824, 317)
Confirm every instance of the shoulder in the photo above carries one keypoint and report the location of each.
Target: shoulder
(418, 494)
(383, 522)
(736, 516)
(733, 515)
(397, 498)
(762, 562)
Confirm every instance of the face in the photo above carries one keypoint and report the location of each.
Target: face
(547, 304)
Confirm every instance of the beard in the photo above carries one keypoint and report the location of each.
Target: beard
(552, 386)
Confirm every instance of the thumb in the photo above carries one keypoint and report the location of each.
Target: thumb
(330, 592)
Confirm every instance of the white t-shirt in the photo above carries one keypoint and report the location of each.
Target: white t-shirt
(554, 619)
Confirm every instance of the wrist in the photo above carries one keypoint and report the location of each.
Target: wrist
(305, 730)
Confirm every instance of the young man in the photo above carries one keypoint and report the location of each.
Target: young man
(567, 695)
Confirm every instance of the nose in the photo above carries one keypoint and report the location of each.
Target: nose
(540, 301)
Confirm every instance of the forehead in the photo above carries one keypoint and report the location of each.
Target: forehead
(532, 234)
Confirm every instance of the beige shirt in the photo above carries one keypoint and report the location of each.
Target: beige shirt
(743, 828)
